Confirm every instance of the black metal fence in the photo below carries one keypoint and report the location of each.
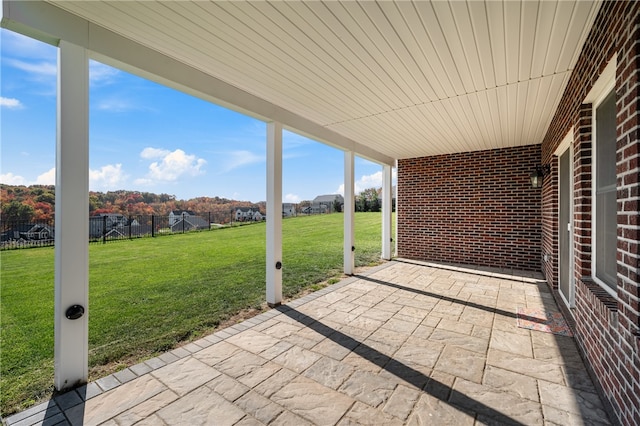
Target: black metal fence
(103, 228)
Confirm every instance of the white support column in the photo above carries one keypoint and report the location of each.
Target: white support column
(349, 209)
(274, 213)
(395, 246)
(72, 217)
(386, 212)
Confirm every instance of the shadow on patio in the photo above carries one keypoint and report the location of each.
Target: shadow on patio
(405, 343)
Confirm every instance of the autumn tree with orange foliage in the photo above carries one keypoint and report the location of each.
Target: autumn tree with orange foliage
(37, 203)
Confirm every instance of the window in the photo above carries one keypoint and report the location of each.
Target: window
(605, 220)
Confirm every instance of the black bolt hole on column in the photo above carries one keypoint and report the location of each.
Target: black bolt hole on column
(74, 312)
(278, 265)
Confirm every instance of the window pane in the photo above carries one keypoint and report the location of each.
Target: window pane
(605, 202)
(606, 142)
(606, 241)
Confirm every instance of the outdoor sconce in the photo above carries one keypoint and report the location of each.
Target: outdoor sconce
(74, 312)
(538, 175)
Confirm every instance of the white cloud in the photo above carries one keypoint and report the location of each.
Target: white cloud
(235, 159)
(10, 103)
(109, 177)
(11, 179)
(114, 104)
(294, 140)
(369, 181)
(102, 74)
(373, 180)
(151, 153)
(38, 62)
(171, 165)
(46, 67)
(47, 178)
(143, 182)
(292, 198)
(15, 44)
(40, 69)
(98, 73)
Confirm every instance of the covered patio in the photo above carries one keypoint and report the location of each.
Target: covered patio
(406, 342)
(466, 101)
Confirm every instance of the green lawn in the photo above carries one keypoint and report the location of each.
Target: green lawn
(148, 295)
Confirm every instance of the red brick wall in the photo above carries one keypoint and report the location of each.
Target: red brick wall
(550, 223)
(582, 193)
(474, 208)
(607, 326)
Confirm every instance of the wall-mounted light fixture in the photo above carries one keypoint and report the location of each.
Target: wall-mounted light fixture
(538, 175)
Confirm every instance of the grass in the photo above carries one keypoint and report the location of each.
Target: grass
(149, 295)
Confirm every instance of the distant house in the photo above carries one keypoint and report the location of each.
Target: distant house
(176, 215)
(117, 233)
(101, 224)
(189, 223)
(13, 233)
(28, 231)
(327, 203)
(39, 232)
(288, 209)
(113, 220)
(246, 214)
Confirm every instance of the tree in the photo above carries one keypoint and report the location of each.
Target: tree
(368, 200)
(304, 206)
(337, 207)
(17, 211)
(94, 202)
(139, 209)
(46, 197)
(43, 212)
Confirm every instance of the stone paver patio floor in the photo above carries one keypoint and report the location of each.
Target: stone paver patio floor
(403, 343)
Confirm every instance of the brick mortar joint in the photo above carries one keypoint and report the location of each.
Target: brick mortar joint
(630, 186)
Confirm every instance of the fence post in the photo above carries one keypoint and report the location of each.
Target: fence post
(209, 221)
(153, 225)
(104, 229)
(129, 227)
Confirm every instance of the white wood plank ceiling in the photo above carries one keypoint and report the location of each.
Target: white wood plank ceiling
(406, 79)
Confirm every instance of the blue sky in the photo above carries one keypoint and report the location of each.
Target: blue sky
(147, 137)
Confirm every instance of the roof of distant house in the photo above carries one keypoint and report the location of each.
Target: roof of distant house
(196, 221)
(327, 198)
